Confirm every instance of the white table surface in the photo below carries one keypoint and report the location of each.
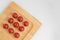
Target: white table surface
(46, 11)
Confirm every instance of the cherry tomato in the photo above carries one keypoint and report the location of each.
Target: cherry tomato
(20, 19)
(25, 23)
(11, 30)
(15, 15)
(16, 35)
(21, 28)
(5, 26)
(16, 24)
(10, 20)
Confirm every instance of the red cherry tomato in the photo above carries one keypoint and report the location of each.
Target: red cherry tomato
(11, 30)
(26, 23)
(16, 35)
(20, 19)
(10, 20)
(5, 26)
(16, 24)
(15, 15)
(21, 28)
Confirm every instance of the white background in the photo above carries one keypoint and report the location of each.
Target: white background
(46, 11)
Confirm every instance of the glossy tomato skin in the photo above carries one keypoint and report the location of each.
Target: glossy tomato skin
(14, 15)
(10, 20)
(20, 18)
(5, 26)
(16, 35)
(11, 30)
(16, 24)
(21, 28)
(25, 23)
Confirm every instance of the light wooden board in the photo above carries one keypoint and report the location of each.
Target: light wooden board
(34, 24)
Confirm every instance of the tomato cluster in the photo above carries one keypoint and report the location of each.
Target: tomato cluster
(15, 24)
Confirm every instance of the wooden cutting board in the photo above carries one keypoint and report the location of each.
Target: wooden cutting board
(29, 24)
